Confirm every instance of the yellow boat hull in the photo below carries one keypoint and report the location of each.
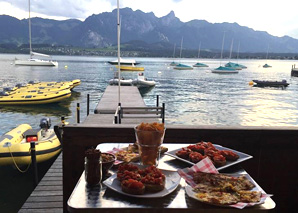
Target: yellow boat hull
(131, 68)
(14, 149)
(35, 98)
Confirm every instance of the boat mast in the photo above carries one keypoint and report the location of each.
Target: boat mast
(238, 51)
(118, 41)
(231, 49)
(199, 50)
(181, 47)
(222, 46)
(174, 50)
(267, 52)
(30, 32)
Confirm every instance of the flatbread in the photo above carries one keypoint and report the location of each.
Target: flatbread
(221, 189)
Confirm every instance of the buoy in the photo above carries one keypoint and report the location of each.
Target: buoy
(159, 72)
(65, 66)
(251, 83)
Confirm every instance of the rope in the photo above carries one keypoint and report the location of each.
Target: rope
(15, 163)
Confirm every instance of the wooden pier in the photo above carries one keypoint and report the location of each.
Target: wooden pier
(47, 196)
(129, 97)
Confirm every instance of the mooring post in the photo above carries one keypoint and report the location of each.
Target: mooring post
(163, 112)
(157, 100)
(78, 112)
(88, 100)
(34, 164)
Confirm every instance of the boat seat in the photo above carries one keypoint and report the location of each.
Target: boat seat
(30, 132)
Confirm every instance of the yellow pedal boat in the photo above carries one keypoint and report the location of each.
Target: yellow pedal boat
(37, 97)
(15, 144)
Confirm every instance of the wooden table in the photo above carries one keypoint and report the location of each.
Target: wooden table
(102, 199)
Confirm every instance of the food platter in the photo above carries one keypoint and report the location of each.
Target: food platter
(172, 181)
(192, 194)
(242, 157)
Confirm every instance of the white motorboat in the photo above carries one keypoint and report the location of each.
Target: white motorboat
(123, 82)
(124, 62)
(142, 82)
(31, 61)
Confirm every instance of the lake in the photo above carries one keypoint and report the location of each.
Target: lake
(193, 97)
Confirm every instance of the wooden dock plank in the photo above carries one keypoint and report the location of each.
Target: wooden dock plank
(44, 199)
(47, 196)
(129, 97)
(53, 210)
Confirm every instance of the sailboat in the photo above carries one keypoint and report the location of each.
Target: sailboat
(221, 69)
(173, 63)
(198, 64)
(232, 65)
(267, 65)
(182, 66)
(34, 61)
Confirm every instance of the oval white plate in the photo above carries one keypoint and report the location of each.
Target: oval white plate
(172, 181)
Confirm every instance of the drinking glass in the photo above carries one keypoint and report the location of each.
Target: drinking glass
(149, 143)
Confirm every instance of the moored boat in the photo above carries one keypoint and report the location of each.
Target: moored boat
(200, 65)
(183, 67)
(142, 82)
(15, 144)
(36, 62)
(282, 83)
(37, 97)
(294, 71)
(131, 68)
(224, 70)
(123, 82)
(235, 66)
(266, 66)
(173, 63)
(123, 62)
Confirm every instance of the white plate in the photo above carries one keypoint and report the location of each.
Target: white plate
(192, 194)
(172, 181)
(242, 156)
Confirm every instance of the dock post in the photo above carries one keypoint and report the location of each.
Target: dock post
(157, 100)
(34, 164)
(78, 112)
(119, 116)
(163, 113)
(88, 100)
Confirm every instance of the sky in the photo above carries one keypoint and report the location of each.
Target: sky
(277, 17)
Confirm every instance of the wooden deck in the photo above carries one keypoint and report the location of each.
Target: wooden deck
(47, 196)
(129, 97)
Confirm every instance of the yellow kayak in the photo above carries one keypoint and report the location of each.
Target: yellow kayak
(37, 97)
(15, 145)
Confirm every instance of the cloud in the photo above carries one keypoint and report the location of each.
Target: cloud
(79, 9)
(272, 16)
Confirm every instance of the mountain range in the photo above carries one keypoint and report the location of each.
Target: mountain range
(145, 29)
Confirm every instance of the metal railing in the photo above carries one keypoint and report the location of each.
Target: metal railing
(139, 112)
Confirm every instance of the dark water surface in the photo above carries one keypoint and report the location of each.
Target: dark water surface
(194, 97)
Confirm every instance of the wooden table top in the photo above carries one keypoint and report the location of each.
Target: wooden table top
(102, 199)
